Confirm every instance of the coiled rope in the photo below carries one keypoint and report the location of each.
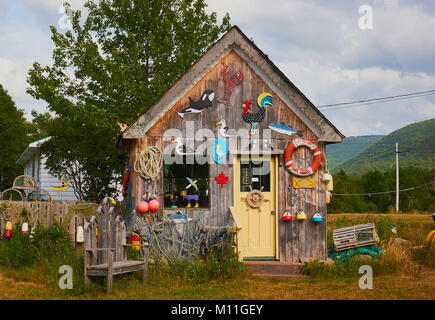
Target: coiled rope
(148, 164)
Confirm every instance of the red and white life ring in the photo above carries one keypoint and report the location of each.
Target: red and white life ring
(301, 142)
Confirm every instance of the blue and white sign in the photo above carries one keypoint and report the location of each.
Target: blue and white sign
(220, 150)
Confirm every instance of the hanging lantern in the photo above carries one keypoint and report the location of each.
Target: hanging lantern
(80, 235)
(8, 230)
(317, 217)
(25, 228)
(135, 239)
(287, 216)
(301, 216)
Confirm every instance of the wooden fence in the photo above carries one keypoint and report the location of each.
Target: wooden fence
(71, 214)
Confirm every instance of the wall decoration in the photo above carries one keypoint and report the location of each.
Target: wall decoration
(190, 197)
(204, 102)
(220, 150)
(301, 142)
(182, 149)
(222, 179)
(284, 129)
(192, 183)
(172, 198)
(303, 183)
(230, 84)
(225, 131)
(265, 99)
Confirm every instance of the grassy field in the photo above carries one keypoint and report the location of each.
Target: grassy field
(403, 273)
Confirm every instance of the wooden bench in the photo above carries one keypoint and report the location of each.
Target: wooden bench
(107, 256)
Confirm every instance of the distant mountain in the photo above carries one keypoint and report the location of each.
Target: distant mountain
(339, 153)
(416, 148)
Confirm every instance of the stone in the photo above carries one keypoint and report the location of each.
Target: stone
(400, 241)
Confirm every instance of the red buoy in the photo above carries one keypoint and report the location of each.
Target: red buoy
(154, 205)
(143, 206)
(8, 230)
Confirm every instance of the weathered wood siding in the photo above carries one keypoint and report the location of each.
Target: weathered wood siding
(296, 239)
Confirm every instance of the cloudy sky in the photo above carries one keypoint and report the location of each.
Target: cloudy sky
(318, 44)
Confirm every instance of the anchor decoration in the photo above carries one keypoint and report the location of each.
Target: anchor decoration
(230, 84)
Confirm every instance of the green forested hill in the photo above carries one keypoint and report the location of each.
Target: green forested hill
(416, 147)
(339, 153)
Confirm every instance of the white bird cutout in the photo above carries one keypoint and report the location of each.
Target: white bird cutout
(182, 149)
(225, 131)
(192, 183)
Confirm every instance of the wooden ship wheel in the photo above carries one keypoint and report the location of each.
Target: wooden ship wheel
(255, 198)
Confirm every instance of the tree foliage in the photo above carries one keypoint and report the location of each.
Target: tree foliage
(15, 135)
(371, 182)
(111, 67)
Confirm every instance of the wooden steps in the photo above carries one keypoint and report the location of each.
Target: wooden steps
(275, 269)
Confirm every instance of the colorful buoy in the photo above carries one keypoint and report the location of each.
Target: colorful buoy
(301, 216)
(25, 228)
(287, 216)
(317, 217)
(8, 230)
(135, 240)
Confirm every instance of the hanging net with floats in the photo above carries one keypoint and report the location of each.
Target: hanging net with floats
(174, 239)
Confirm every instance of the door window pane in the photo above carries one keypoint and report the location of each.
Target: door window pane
(255, 174)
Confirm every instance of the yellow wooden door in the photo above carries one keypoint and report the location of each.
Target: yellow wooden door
(257, 236)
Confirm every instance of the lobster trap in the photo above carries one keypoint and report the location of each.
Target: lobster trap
(354, 237)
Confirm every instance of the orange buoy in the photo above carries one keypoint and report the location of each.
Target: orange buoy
(8, 230)
(143, 206)
(154, 205)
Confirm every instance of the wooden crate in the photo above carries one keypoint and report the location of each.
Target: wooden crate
(355, 236)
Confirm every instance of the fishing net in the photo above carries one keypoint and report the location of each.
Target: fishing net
(346, 255)
(184, 238)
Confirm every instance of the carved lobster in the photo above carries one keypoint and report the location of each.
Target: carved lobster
(230, 83)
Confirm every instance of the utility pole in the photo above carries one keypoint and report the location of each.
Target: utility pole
(397, 177)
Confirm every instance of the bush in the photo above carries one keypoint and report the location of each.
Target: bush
(42, 254)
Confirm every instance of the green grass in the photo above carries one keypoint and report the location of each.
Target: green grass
(402, 273)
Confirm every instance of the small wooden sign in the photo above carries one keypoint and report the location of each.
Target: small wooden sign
(303, 183)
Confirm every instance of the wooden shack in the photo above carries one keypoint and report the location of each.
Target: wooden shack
(245, 182)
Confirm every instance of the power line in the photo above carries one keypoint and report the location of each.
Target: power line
(382, 192)
(376, 100)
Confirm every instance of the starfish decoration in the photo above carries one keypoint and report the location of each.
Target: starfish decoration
(222, 179)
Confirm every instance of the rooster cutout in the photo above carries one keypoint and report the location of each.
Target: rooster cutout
(230, 84)
(265, 99)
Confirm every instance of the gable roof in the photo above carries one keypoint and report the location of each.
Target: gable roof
(31, 150)
(236, 40)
